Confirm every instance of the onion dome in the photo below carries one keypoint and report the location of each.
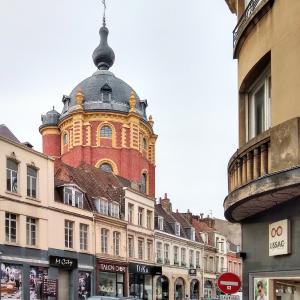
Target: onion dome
(103, 55)
(50, 118)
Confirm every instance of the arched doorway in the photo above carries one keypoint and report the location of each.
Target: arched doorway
(208, 289)
(162, 288)
(195, 289)
(179, 289)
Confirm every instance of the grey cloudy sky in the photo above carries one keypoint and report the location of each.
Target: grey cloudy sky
(177, 54)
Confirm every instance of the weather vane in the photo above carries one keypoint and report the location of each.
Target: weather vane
(104, 5)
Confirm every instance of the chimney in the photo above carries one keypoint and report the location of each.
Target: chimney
(166, 204)
(201, 216)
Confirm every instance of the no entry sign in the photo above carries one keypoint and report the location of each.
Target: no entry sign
(229, 283)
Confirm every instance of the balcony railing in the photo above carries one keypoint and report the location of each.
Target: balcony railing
(255, 10)
(250, 163)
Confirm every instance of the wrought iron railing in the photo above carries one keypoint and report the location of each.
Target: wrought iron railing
(239, 28)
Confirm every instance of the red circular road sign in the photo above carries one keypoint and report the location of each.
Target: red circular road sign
(229, 283)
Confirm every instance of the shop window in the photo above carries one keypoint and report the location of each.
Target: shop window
(36, 277)
(130, 213)
(195, 289)
(176, 259)
(140, 216)
(104, 240)
(106, 92)
(106, 167)
(11, 281)
(116, 242)
(106, 132)
(10, 228)
(11, 175)
(73, 197)
(110, 284)
(31, 182)
(84, 285)
(167, 254)
(149, 219)
(160, 221)
(159, 252)
(69, 234)
(130, 247)
(258, 106)
(83, 236)
(141, 249)
(177, 228)
(31, 230)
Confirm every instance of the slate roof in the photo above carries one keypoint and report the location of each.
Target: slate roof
(94, 182)
(6, 133)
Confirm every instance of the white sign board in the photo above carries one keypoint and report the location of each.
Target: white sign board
(279, 238)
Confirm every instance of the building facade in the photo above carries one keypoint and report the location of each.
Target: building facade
(263, 174)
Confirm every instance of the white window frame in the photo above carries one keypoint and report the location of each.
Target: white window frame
(167, 253)
(83, 236)
(10, 223)
(32, 180)
(197, 259)
(31, 231)
(177, 228)
(159, 252)
(175, 255)
(183, 256)
(73, 197)
(69, 230)
(266, 80)
(141, 246)
(131, 213)
(193, 234)
(149, 250)
(13, 176)
(130, 246)
(116, 242)
(149, 219)
(191, 258)
(160, 223)
(140, 216)
(104, 240)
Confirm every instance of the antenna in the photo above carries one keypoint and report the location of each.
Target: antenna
(104, 10)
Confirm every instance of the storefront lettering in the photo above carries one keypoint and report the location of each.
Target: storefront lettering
(64, 262)
(112, 268)
(142, 269)
(277, 245)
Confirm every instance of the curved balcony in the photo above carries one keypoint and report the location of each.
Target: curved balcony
(265, 172)
(255, 10)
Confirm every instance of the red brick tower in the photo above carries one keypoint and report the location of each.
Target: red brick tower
(104, 123)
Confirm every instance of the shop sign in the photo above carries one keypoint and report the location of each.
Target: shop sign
(63, 262)
(229, 297)
(144, 269)
(50, 287)
(279, 238)
(112, 268)
(193, 272)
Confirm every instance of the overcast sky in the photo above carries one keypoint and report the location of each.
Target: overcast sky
(176, 54)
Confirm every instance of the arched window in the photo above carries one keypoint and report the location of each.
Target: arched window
(144, 144)
(65, 139)
(144, 183)
(106, 131)
(106, 93)
(106, 167)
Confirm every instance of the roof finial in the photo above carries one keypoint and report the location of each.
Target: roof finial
(104, 10)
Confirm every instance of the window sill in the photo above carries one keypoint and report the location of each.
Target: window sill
(33, 199)
(32, 246)
(13, 193)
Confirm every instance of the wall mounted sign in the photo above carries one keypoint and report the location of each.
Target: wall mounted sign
(193, 272)
(229, 283)
(50, 287)
(112, 268)
(63, 262)
(279, 238)
(144, 269)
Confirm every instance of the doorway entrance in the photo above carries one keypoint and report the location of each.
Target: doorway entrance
(179, 289)
(162, 288)
(63, 284)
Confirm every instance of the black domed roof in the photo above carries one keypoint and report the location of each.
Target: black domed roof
(103, 91)
(51, 117)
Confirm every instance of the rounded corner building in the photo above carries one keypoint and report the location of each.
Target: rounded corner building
(104, 123)
(264, 173)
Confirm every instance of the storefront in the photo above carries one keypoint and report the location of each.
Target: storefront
(162, 288)
(111, 279)
(141, 280)
(208, 289)
(194, 289)
(179, 289)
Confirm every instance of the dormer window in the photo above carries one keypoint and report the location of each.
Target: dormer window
(106, 93)
(73, 197)
(193, 234)
(107, 208)
(160, 222)
(177, 229)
